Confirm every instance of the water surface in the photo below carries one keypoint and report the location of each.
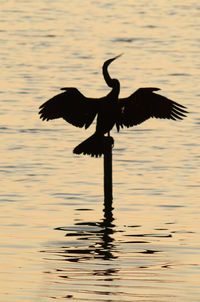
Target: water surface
(57, 241)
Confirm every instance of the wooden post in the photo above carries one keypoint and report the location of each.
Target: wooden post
(108, 194)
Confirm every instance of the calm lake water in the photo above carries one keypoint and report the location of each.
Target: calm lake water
(57, 242)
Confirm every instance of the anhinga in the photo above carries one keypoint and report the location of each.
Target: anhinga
(80, 111)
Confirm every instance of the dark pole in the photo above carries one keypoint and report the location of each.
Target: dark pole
(108, 194)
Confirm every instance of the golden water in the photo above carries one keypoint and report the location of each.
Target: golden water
(55, 242)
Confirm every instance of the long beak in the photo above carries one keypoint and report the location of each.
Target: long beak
(106, 63)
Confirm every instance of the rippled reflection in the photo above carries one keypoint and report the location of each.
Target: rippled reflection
(112, 261)
(92, 239)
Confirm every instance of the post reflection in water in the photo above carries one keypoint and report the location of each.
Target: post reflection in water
(97, 234)
(99, 259)
(88, 243)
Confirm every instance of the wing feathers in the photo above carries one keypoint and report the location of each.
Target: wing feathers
(144, 104)
(72, 106)
(76, 109)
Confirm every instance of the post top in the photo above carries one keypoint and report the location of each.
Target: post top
(109, 141)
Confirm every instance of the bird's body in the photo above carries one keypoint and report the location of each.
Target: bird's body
(80, 111)
(108, 113)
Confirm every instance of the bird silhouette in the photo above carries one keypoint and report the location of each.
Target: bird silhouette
(80, 111)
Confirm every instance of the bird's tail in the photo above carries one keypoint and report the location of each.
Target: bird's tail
(93, 146)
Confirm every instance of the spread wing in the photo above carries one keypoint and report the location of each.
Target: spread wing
(72, 106)
(144, 104)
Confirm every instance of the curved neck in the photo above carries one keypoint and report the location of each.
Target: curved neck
(115, 88)
(109, 81)
(106, 75)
